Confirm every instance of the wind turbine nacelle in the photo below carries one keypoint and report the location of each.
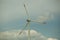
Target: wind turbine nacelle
(28, 20)
(44, 23)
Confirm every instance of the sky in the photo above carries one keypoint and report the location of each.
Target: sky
(13, 18)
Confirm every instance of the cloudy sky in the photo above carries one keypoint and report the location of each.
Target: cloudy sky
(13, 17)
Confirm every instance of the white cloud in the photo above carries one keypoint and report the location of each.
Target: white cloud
(12, 35)
(45, 17)
(52, 39)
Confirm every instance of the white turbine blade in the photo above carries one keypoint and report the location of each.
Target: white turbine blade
(23, 29)
(35, 21)
(38, 21)
(25, 6)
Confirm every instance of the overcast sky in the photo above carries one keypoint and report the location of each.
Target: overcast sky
(13, 17)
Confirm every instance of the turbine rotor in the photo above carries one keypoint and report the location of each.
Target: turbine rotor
(28, 20)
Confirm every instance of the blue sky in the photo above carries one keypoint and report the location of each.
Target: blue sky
(13, 16)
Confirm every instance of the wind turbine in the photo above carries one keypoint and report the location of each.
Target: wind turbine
(28, 23)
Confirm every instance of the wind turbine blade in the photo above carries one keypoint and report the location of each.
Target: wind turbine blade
(38, 21)
(25, 6)
(23, 29)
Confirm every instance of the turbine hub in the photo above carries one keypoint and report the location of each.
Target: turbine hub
(28, 20)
